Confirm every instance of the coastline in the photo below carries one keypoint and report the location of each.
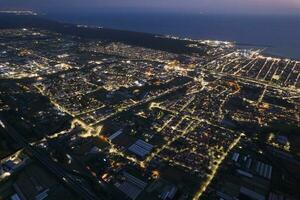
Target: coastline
(279, 34)
(141, 38)
(239, 45)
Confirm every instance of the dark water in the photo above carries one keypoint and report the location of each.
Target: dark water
(281, 34)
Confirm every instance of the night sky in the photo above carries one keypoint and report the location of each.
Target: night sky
(186, 6)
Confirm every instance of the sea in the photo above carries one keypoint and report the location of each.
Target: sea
(279, 35)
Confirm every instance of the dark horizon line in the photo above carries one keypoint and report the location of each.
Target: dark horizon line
(129, 10)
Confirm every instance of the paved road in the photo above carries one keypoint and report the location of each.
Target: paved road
(143, 102)
(50, 164)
